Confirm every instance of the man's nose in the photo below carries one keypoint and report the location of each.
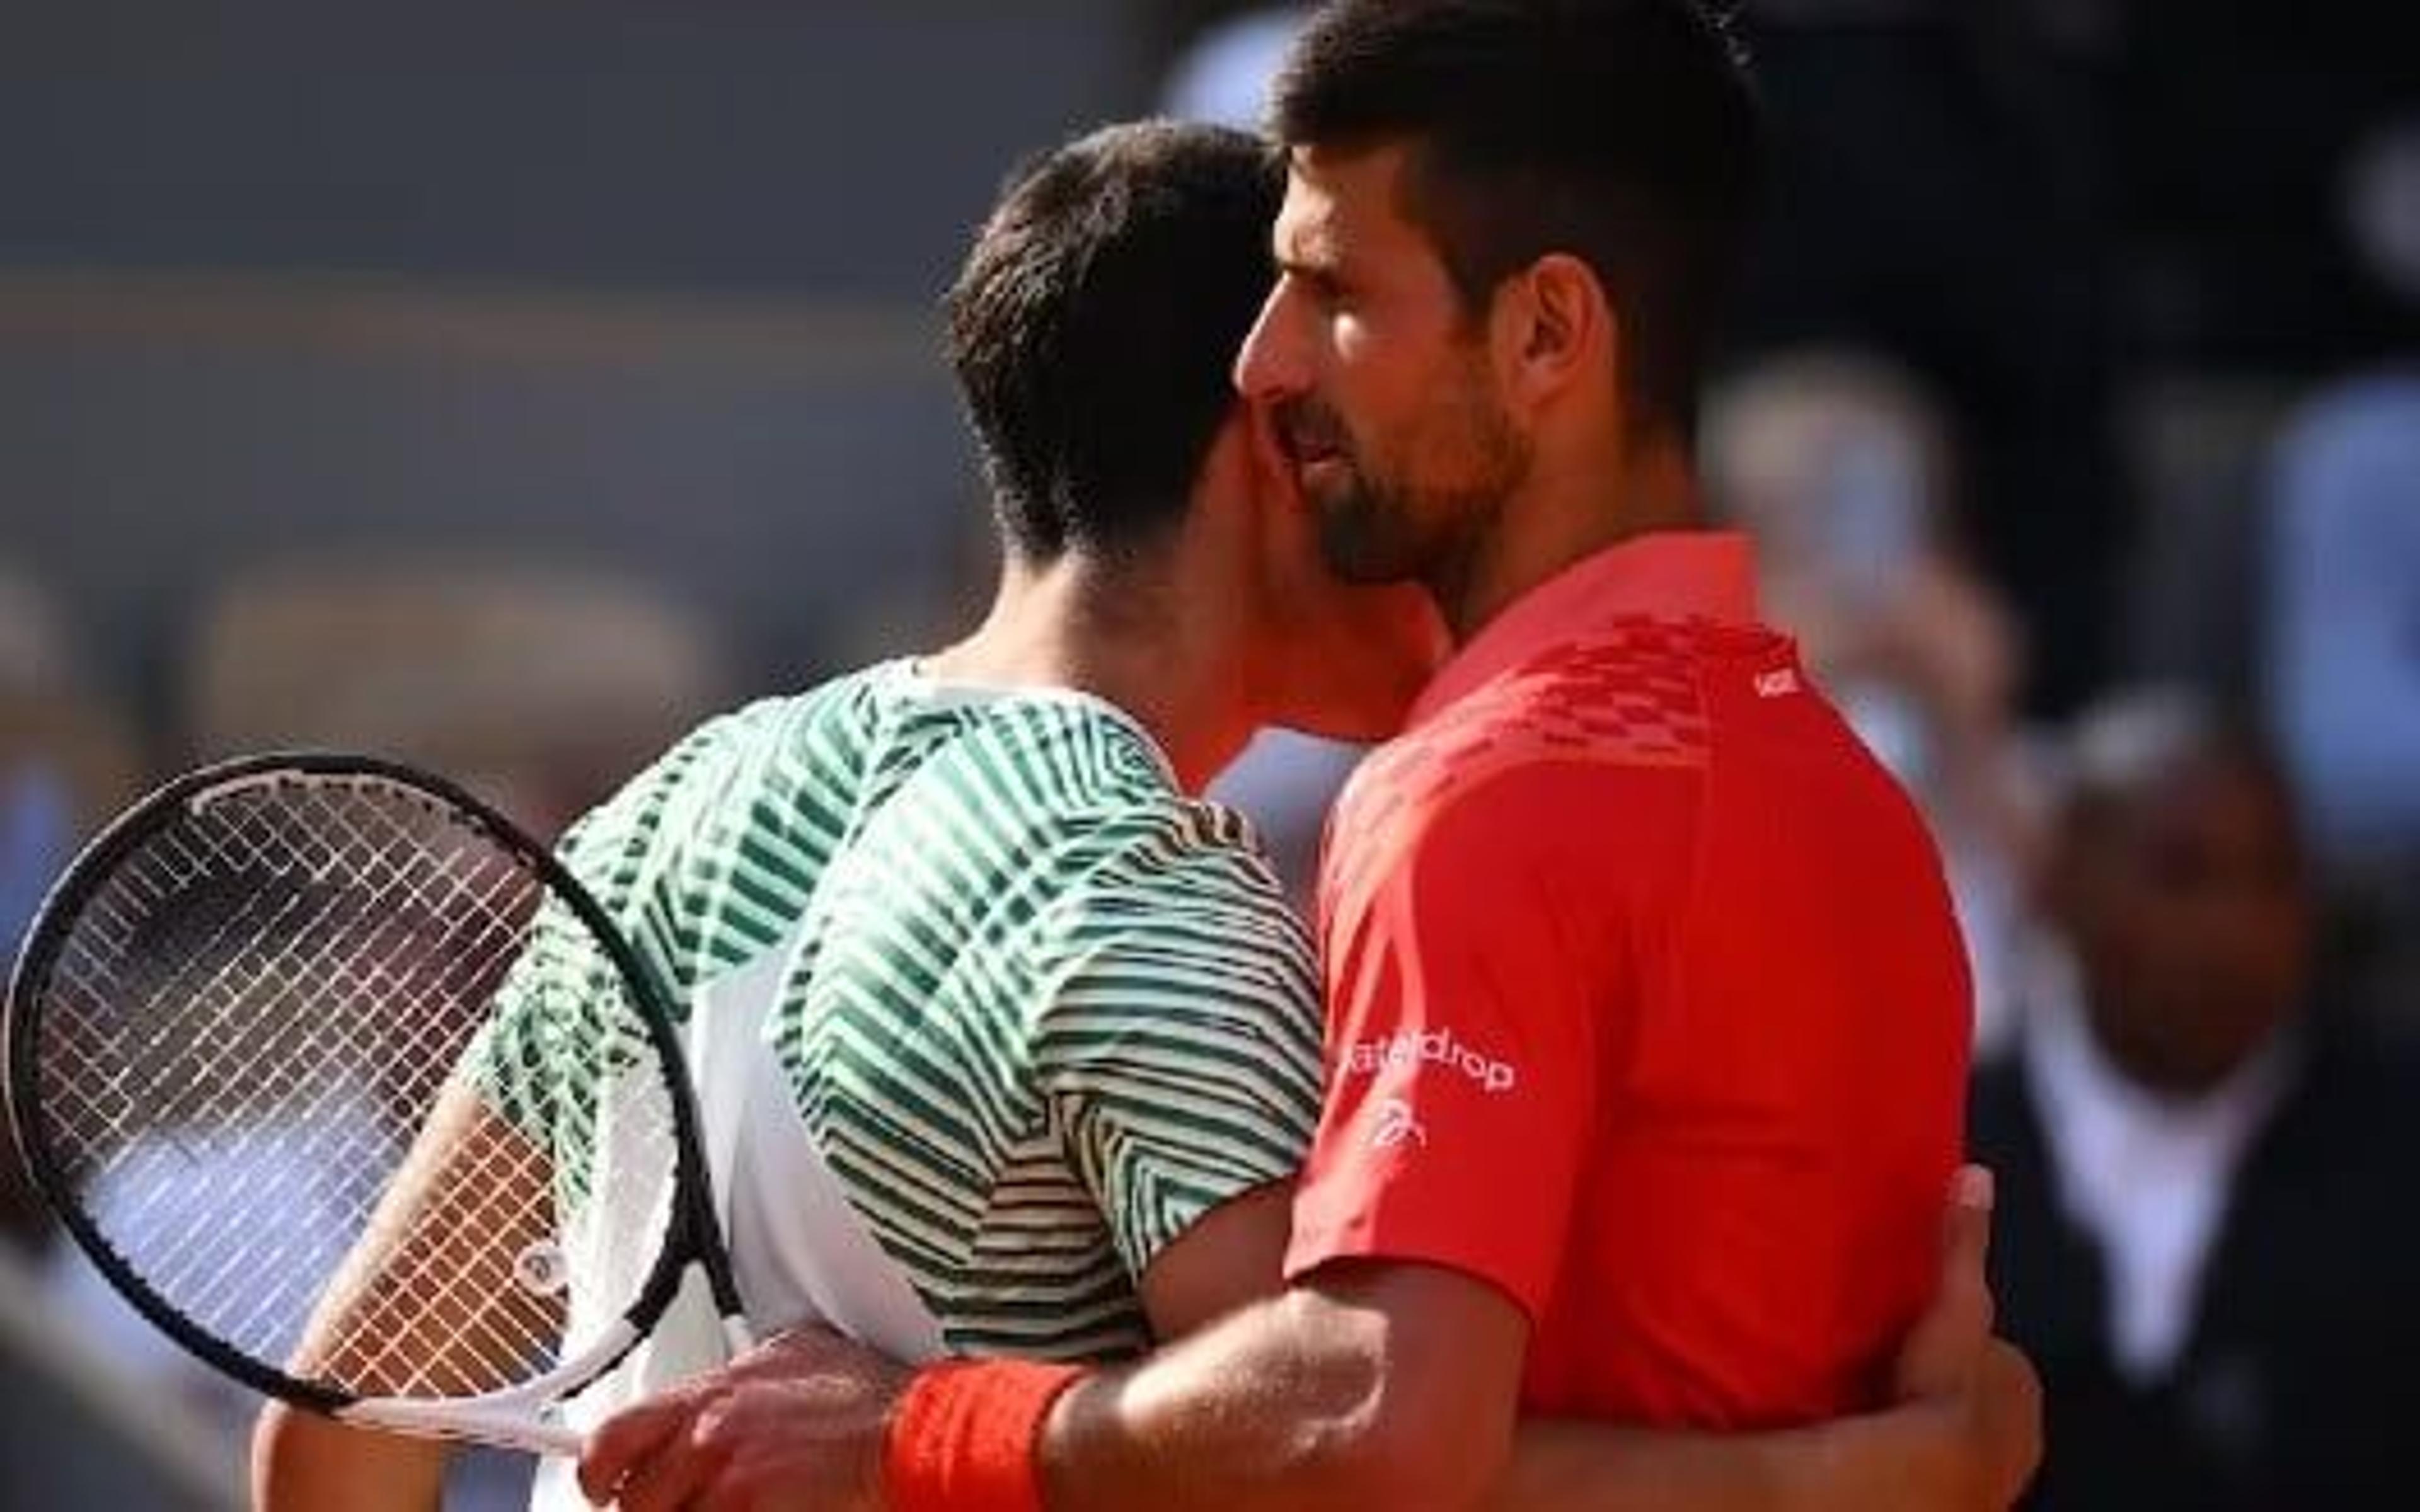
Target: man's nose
(1268, 366)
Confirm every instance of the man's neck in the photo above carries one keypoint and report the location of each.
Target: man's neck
(1122, 633)
(1566, 516)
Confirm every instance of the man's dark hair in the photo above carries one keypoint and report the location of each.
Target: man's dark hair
(2130, 745)
(1624, 133)
(1095, 327)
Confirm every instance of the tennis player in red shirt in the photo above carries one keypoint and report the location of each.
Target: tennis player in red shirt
(1646, 1005)
(1648, 1017)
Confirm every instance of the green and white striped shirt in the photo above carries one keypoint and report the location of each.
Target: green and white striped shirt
(1040, 1010)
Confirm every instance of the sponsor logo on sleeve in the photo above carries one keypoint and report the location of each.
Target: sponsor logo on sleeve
(1431, 1047)
(1396, 1125)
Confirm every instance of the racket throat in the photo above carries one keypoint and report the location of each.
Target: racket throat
(520, 1418)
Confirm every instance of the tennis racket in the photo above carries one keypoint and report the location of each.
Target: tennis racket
(350, 1087)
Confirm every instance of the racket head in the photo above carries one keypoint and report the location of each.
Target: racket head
(159, 912)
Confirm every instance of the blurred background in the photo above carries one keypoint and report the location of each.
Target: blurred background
(504, 387)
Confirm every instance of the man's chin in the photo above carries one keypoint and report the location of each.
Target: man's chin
(1360, 543)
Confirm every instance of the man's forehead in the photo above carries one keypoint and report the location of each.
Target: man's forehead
(1336, 196)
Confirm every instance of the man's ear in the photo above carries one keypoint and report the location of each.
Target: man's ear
(1553, 328)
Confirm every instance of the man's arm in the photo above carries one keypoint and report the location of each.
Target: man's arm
(1970, 1451)
(1291, 1402)
(1382, 1381)
(1393, 1385)
(1230, 1257)
(302, 1460)
(1370, 1385)
(469, 1197)
(476, 1183)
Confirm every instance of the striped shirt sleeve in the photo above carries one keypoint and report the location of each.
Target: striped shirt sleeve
(1180, 1049)
(557, 1030)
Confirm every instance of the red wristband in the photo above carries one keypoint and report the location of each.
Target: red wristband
(961, 1438)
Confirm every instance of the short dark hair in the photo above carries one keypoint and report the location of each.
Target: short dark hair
(2132, 743)
(1625, 133)
(1095, 327)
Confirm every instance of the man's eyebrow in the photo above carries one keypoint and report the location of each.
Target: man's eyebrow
(1310, 254)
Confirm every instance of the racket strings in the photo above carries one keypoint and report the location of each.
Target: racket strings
(247, 1026)
(277, 963)
(436, 1324)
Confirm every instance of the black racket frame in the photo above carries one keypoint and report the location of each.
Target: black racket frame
(693, 1233)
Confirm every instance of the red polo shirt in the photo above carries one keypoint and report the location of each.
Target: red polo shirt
(1647, 1004)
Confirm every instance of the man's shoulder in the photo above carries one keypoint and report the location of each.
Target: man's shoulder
(1171, 931)
(1593, 728)
(727, 757)
(1627, 695)
(740, 808)
(1055, 756)
(747, 742)
(1150, 865)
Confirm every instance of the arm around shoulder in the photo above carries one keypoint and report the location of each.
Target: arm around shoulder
(1371, 1384)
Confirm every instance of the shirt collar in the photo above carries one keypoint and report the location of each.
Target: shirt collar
(2085, 1092)
(2147, 1179)
(1671, 574)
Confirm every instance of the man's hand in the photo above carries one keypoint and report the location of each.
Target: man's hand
(795, 1422)
(800, 1422)
(1961, 1435)
(1945, 1350)
(1973, 1397)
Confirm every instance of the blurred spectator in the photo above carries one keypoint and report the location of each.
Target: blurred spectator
(2382, 203)
(2343, 652)
(1940, 194)
(2203, 1237)
(2266, 161)
(2341, 548)
(541, 690)
(1840, 467)
(2255, 150)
